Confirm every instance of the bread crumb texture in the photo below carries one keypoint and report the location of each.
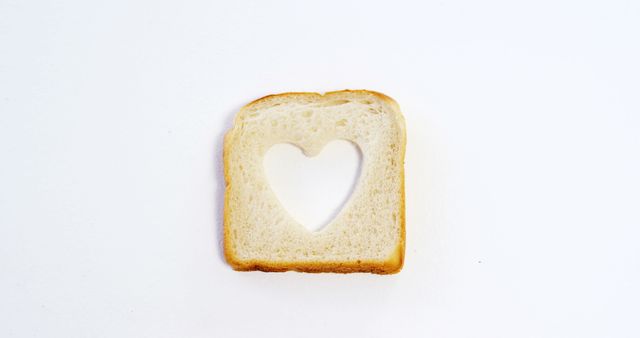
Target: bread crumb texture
(367, 235)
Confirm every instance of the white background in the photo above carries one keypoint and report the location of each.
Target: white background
(523, 188)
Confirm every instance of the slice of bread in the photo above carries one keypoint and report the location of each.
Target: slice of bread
(367, 235)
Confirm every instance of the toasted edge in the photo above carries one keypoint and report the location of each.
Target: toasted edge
(393, 264)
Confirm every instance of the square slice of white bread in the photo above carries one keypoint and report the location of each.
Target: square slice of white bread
(367, 235)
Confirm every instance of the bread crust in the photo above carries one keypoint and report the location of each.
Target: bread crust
(393, 264)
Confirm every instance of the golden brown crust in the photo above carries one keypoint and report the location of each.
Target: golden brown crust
(266, 98)
(228, 254)
(390, 266)
(383, 268)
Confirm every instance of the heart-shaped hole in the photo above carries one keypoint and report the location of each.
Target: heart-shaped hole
(313, 189)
